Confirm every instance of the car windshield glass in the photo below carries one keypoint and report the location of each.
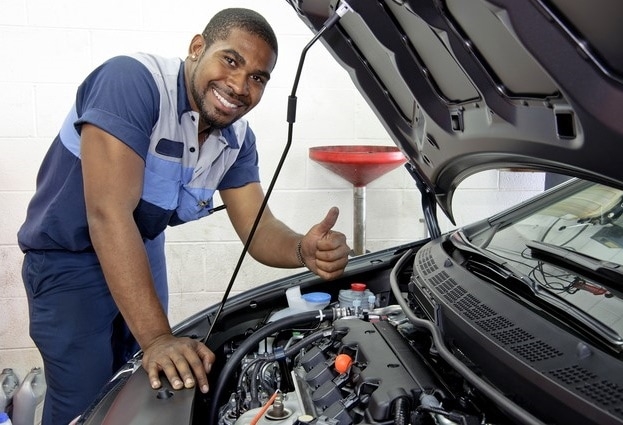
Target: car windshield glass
(588, 222)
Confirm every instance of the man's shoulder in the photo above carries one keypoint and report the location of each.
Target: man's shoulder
(155, 63)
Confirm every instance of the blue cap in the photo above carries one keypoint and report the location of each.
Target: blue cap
(4, 417)
(317, 297)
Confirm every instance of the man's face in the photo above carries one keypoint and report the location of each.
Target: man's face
(228, 79)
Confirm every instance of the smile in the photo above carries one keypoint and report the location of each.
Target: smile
(224, 101)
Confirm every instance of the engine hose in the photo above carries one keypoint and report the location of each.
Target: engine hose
(253, 390)
(255, 365)
(251, 342)
(401, 411)
(289, 352)
(251, 364)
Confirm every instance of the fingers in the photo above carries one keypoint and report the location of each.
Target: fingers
(184, 361)
(332, 247)
(332, 267)
(330, 251)
(154, 378)
(203, 367)
(331, 256)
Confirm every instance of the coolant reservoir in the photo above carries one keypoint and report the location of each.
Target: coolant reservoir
(357, 292)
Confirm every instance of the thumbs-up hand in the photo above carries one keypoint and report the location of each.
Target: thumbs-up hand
(324, 250)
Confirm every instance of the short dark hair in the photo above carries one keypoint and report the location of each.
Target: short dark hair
(249, 20)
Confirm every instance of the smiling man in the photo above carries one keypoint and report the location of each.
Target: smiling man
(146, 145)
(226, 78)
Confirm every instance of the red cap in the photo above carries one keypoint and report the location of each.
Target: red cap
(358, 286)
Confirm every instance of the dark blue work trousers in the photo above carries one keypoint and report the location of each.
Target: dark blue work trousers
(77, 327)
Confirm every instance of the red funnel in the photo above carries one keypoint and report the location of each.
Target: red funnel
(359, 165)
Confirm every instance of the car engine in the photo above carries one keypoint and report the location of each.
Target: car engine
(358, 366)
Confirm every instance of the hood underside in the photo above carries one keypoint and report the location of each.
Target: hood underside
(464, 86)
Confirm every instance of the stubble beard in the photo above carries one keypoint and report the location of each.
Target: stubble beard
(212, 120)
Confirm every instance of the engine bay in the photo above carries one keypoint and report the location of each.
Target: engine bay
(423, 342)
(356, 362)
(436, 344)
(366, 367)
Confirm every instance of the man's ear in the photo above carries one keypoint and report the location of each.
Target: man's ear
(196, 47)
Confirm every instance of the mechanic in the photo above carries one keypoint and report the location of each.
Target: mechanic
(147, 143)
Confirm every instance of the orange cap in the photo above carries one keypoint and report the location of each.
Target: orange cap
(343, 362)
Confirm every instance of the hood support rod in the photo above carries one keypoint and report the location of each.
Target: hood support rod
(429, 204)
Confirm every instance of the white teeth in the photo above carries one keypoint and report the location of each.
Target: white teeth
(224, 101)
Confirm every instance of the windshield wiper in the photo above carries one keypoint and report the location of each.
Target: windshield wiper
(605, 272)
(484, 264)
(591, 268)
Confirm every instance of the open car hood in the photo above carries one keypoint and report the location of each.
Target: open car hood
(463, 86)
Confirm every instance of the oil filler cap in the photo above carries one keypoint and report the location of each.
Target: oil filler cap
(342, 363)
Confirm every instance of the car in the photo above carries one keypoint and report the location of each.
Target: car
(514, 319)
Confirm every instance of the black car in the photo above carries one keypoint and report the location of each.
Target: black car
(515, 319)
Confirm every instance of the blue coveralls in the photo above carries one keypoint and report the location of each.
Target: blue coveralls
(141, 100)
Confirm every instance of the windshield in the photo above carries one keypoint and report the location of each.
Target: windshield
(588, 222)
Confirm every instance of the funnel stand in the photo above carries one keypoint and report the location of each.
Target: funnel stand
(359, 220)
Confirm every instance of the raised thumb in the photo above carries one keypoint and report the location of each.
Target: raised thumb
(329, 221)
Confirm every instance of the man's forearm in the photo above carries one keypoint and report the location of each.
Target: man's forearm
(275, 244)
(124, 261)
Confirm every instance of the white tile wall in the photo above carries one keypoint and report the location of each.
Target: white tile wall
(48, 47)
